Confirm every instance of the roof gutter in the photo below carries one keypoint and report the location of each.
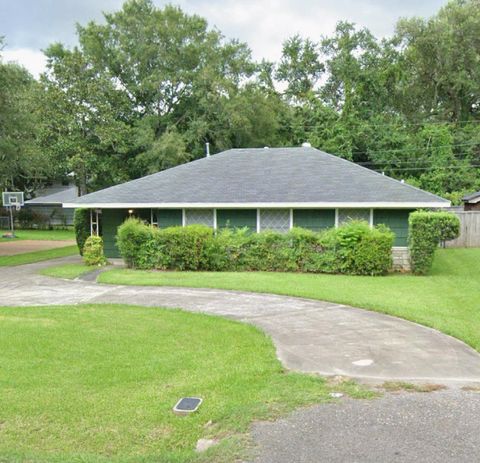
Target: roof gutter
(309, 205)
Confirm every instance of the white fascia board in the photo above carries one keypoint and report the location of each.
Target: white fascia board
(319, 205)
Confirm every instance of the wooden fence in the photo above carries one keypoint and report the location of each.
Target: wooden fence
(469, 230)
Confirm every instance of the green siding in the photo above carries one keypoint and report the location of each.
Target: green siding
(111, 219)
(169, 218)
(237, 218)
(314, 219)
(396, 220)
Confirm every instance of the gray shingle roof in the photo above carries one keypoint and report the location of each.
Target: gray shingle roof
(471, 196)
(262, 176)
(57, 195)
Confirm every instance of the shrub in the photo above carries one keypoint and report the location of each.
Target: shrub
(93, 251)
(81, 224)
(183, 248)
(27, 217)
(354, 248)
(135, 243)
(426, 230)
(373, 253)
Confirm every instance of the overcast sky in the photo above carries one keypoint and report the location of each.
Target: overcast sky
(31, 25)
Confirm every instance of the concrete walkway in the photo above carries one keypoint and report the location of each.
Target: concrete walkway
(310, 336)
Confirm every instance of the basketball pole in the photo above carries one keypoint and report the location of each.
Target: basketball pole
(11, 221)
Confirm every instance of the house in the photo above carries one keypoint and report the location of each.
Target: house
(471, 202)
(262, 189)
(49, 201)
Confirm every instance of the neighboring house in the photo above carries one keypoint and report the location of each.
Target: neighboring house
(262, 189)
(48, 204)
(472, 202)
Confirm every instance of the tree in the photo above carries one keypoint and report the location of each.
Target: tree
(441, 59)
(299, 67)
(147, 80)
(84, 129)
(21, 163)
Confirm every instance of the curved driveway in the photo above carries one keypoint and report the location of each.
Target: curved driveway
(310, 336)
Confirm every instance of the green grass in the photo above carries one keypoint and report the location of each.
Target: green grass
(60, 235)
(448, 299)
(96, 383)
(68, 271)
(37, 256)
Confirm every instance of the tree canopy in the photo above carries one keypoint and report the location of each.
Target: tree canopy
(147, 88)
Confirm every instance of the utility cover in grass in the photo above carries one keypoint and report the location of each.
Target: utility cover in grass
(187, 405)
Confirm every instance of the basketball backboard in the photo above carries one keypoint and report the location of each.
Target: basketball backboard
(12, 198)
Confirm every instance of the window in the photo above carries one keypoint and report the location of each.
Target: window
(275, 219)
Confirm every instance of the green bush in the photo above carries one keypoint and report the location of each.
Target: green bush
(183, 248)
(135, 243)
(93, 251)
(81, 224)
(354, 248)
(426, 231)
(27, 217)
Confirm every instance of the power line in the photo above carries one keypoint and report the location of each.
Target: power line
(393, 124)
(412, 161)
(402, 169)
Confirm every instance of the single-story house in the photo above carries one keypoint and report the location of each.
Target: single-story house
(48, 203)
(471, 202)
(260, 188)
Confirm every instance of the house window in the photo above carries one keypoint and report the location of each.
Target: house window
(275, 219)
(314, 219)
(169, 218)
(345, 215)
(199, 217)
(237, 218)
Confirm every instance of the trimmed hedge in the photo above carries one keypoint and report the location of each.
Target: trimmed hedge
(93, 251)
(426, 230)
(353, 248)
(81, 224)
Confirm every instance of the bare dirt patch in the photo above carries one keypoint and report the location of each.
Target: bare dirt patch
(11, 248)
(399, 386)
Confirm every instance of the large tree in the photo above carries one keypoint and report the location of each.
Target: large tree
(21, 163)
(146, 91)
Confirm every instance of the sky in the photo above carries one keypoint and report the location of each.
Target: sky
(31, 25)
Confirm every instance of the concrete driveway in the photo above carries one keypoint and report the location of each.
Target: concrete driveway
(310, 336)
(397, 428)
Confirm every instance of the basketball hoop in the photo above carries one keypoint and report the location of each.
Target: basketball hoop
(12, 199)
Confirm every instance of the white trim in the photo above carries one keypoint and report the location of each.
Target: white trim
(184, 218)
(96, 223)
(336, 218)
(370, 219)
(308, 205)
(291, 218)
(91, 222)
(214, 219)
(258, 220)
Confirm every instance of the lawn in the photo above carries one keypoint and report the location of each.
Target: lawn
(37, 256)
(68, 271)
(97, 383)
(448, 299)
(60, 235)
